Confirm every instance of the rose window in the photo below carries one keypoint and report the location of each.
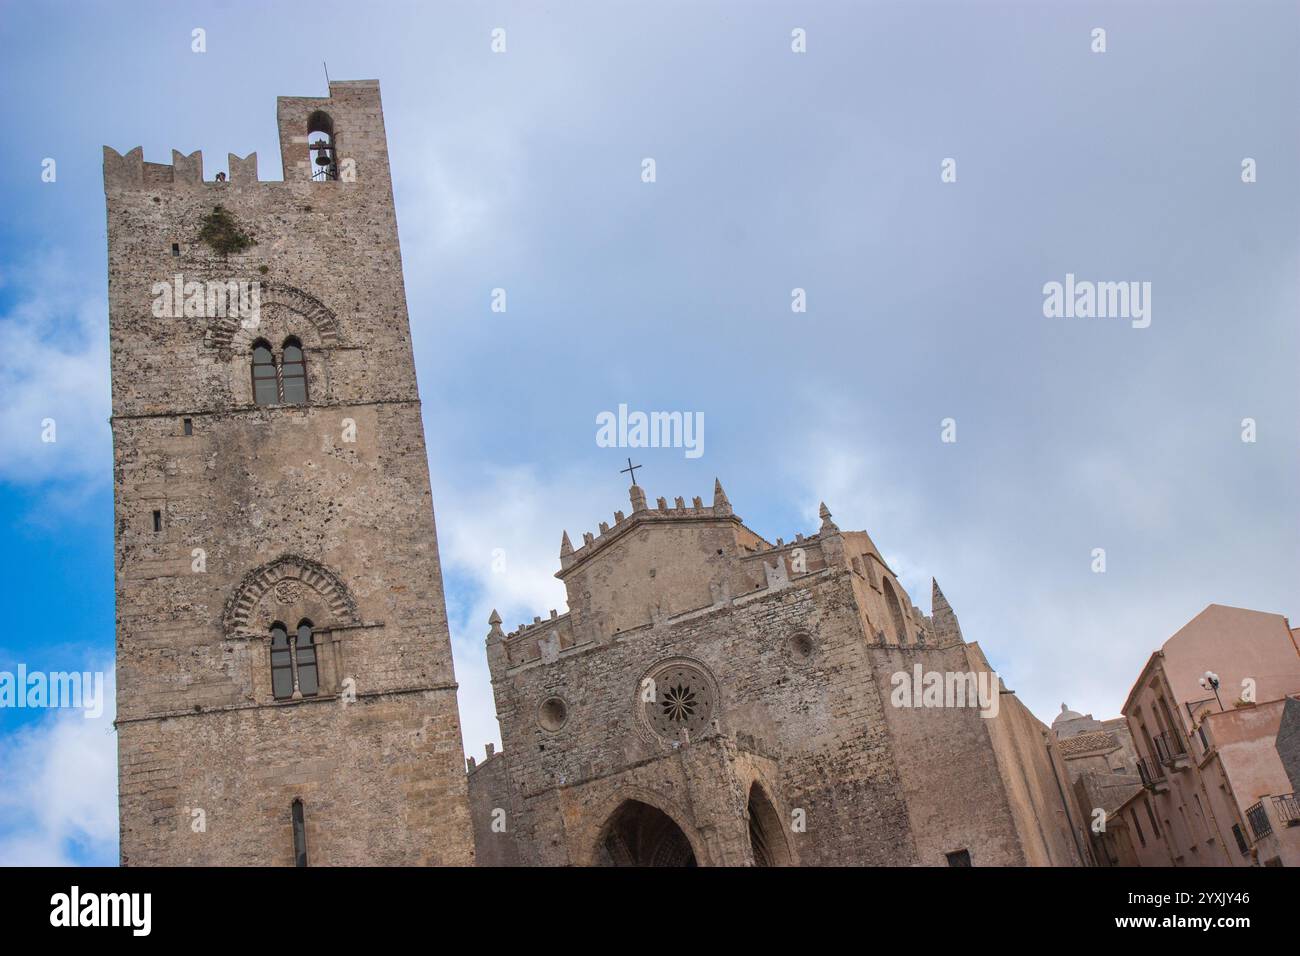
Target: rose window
(677, 697)
(679, 703)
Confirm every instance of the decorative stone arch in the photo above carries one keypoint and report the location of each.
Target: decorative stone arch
(594, 834)
(288, 570)
(232, 333)
(767, 824)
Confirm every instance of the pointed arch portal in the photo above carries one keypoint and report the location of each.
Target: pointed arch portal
(638, 834)
(766, 836)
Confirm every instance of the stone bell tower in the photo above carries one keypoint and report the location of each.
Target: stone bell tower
(285, 690)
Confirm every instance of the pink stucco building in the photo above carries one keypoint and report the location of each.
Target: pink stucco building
(1220, 764)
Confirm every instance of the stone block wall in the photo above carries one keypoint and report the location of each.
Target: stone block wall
(231, 516)
(811, 722)
(796, 646)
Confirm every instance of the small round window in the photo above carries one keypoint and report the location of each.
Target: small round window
(801, 647)
(552, 714)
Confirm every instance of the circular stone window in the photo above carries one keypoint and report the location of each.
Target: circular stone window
(801, 647)
(552, 714)
(677, 696)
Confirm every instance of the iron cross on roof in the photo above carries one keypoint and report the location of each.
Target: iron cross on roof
(630, 469)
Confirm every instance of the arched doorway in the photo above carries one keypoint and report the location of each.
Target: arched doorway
(638, 834)
(766, 835)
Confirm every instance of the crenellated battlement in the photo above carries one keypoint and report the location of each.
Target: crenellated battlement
(592, 543)
(130, 171)
(538, 627)
(667, 565)
(348, 124)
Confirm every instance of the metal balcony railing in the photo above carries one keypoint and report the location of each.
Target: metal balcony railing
(1170, 747)
(1257, 816)
(1150, 772)
(1287, 808)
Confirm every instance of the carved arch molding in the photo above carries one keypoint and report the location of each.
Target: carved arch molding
(286, 572)
(221, 333)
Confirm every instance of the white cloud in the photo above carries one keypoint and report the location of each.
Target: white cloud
(58, 806)
(514, 517)
(1052, 628)
(511, 517)
(860, 496)
(54, 366)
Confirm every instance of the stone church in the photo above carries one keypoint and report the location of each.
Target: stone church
(284, 673)
(711, 698)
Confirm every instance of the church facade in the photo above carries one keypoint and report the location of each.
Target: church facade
(711, 698)
(285, 691)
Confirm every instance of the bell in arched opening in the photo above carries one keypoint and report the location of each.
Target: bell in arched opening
(321, 147)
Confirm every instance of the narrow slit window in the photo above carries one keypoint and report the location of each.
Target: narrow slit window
(157, 521)
(187, 426)
(176, 249)
(299, 834)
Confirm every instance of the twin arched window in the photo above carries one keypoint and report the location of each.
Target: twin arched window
(293, 663)
(282, 384)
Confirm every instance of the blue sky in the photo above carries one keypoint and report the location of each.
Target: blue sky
(775, 170)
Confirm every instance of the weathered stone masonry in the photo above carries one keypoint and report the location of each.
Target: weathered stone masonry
(315, 511)
(769, 736)
(709, 697)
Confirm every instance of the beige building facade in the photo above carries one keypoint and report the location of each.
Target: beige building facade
(1102, 763)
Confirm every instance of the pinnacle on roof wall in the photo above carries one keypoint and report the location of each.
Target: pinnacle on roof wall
(721, 504)
(941, 613)
(937, 600)
(828, 526)
(494, 632)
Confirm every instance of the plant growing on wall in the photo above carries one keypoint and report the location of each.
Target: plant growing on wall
(223, 233)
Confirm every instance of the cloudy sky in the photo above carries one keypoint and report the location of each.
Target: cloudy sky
(775, 170)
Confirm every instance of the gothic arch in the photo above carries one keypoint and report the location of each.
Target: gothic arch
(230, 333)
(768, 835)
(608, 815)
(289, 567)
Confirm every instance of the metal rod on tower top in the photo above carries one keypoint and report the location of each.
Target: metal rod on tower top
(327, 74)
